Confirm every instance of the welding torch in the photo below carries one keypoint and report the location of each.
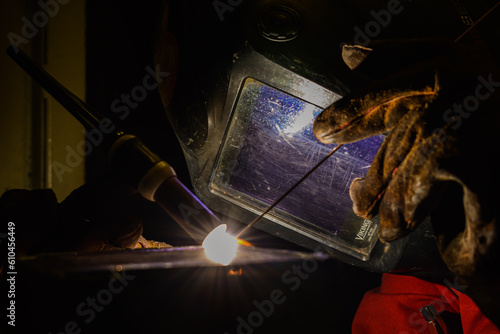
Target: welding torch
(153, 178)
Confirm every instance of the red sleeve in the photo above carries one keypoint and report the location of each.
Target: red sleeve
(395, 306)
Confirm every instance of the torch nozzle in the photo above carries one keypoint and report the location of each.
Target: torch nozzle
(149, 174)
(186, 209)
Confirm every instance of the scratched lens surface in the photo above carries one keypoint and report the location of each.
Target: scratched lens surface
(270, 146)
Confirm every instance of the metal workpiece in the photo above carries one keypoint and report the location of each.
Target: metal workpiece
(163, 258)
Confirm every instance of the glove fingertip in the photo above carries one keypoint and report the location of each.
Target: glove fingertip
(355, 192)
(393, 229)
(364, 204)
(392, 222)
(354, 55)
(388, 234)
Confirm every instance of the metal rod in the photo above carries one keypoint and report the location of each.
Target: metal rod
(336, 148)
(289, 190)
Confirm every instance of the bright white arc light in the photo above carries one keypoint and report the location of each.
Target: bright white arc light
(305, 118)
(219, 246)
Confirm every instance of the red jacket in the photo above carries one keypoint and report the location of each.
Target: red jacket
(395, 306)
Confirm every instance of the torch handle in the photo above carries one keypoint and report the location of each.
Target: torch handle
(154, 179)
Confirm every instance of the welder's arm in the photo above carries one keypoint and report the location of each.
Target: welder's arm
(439, 103)
(95, 217)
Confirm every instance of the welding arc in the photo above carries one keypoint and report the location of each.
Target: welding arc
(289, 190)
(476, 23)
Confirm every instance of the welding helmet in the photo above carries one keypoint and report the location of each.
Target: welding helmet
(250, 77)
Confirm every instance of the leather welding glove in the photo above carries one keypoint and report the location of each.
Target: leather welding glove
(439, 104)
(94, 217)
(41, 226)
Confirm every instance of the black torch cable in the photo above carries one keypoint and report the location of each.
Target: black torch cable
(86, 115)
(139, 165)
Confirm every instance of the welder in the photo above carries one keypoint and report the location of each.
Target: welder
(437, 100)
(433, 99)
